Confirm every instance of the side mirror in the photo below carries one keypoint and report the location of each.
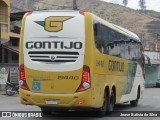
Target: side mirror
(148, 60)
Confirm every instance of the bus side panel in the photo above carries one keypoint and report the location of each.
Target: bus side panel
(138, 81)
(107, 73)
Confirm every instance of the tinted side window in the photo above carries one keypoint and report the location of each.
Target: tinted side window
(100, 38)
(109, 41)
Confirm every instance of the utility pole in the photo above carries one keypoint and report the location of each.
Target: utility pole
(75, 5)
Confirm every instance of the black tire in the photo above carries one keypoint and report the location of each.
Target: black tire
(110, 103)
(9, 91)
(134, 103)
(101, 112)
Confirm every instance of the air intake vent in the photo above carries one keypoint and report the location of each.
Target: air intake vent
(53, 57)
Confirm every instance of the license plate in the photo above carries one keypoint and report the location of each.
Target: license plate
(52, 102)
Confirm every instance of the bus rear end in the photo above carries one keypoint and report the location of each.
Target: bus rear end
(52, 69)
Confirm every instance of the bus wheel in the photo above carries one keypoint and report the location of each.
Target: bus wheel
(101, 112)
(110, 103)
(45, 111)
(134, 103)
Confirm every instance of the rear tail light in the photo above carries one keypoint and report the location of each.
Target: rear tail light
(22, 82)
(22, 74)
(29, 13)
(85, 83)
(81, 12)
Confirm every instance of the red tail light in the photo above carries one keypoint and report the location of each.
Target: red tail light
(22, 75)
(85, 83)
(29, 13)
(81, 12)
(22, 82)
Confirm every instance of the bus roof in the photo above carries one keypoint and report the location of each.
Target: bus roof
(128, 32)
(117, 28)
(45, 11)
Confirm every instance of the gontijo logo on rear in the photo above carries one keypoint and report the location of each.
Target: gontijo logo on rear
(53, 23)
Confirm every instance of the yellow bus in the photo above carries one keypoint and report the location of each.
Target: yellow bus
(74, 60)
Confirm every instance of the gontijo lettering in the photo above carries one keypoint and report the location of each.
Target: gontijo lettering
(116, 66)
(53, 44)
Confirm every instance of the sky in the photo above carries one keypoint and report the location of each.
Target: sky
(150, 4)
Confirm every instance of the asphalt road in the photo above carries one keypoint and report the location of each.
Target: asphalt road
(150, 103)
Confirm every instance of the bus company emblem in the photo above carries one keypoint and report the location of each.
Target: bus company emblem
(53, 58)
(54, 23)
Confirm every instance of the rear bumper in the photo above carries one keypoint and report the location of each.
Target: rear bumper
(64, 100)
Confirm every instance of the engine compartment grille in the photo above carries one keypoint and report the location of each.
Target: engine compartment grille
(53, 57)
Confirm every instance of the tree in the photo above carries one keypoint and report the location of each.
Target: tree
(125, 2)
(142, 5)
